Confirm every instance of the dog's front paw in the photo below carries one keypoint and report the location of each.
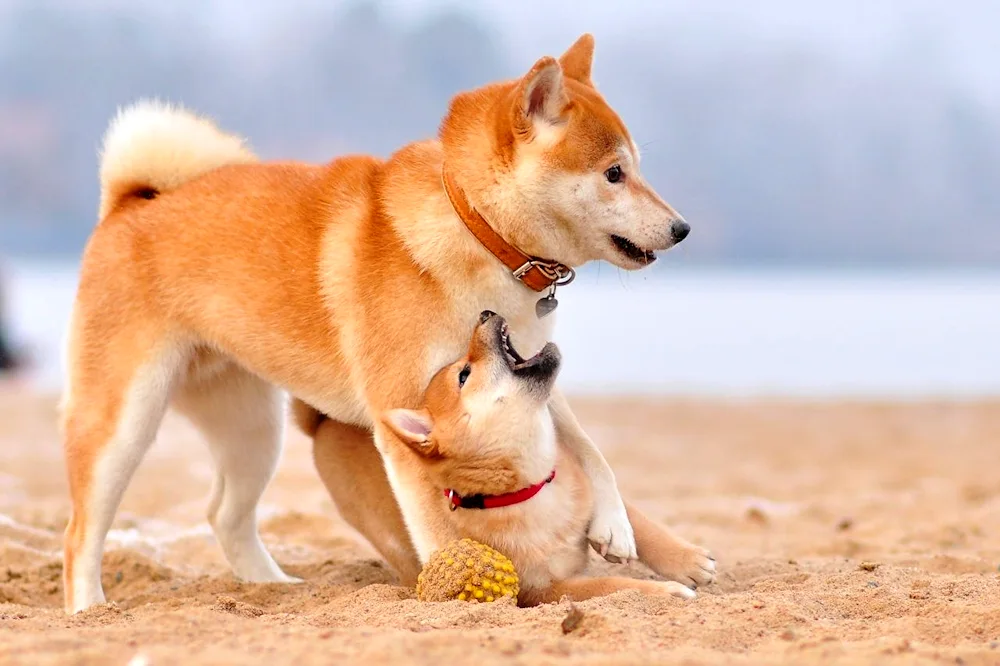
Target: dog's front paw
(674, 589)
(611, 533)
(691, 565)
(700, 566)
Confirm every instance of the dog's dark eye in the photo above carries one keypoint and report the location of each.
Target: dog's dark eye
(614, 174)
(463, 376)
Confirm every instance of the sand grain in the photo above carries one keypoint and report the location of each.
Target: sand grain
(845, 533)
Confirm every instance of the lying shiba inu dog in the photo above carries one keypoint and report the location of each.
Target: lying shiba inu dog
(482, 460)
(212, 281)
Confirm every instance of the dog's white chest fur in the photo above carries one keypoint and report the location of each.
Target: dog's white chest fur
(545, 537)
(549, 543)
(528, 333)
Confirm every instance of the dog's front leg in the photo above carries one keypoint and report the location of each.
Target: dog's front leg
(668, 554)
(610, 531)
(353, 472)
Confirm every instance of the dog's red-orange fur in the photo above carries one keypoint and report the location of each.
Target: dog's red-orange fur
(211, 279)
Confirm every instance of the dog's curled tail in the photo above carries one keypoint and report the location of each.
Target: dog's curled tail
(306, 418)
(152, 147)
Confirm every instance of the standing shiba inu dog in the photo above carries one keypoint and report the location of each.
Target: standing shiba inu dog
(482, 460)
(213, 281)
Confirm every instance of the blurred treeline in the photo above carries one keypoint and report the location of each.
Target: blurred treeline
(779, 155)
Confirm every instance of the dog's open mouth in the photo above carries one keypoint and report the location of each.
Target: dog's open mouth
(514, 360)
(540, 366)
(633, 251)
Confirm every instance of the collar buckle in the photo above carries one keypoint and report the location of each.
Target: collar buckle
(559, 274)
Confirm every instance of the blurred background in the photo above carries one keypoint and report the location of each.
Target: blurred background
(839, 162)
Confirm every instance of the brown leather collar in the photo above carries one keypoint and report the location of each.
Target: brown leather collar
(538, 274)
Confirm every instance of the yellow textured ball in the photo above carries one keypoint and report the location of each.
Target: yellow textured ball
(468, 571)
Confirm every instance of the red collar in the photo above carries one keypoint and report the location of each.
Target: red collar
(496, 501)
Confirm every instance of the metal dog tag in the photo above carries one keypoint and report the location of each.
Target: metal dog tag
(545, 306)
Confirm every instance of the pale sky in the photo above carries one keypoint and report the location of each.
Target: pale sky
(956, 39)
(962, 37)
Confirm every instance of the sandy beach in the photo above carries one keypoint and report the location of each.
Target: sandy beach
(844, 532)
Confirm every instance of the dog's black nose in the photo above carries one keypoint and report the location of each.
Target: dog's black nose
(485, 316)
(679, 230)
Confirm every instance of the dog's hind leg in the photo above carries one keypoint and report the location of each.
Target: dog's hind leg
(242, 418)
(118, 388)
(581, 589)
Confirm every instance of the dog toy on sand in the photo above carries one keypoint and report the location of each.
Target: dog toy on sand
(468, 571)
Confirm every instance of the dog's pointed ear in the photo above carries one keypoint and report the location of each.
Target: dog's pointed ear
(578, 60)
(540, 97)
(413, 428)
